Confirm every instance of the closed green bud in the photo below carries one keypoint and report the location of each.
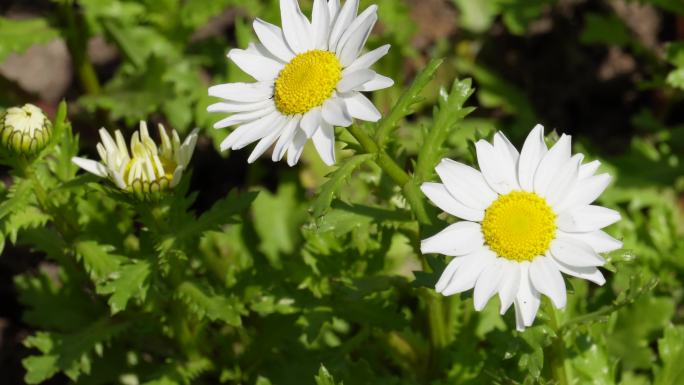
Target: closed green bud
(25, 130)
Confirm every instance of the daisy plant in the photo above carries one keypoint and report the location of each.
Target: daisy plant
(526, 217)
(309, 75)
(147, 169)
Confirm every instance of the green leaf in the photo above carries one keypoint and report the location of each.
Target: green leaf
(130, 281)
(16, 36)
(447, 116)
(221, 213)
(324, 377)
(408, 99)
(215, 307)
(29, 217)
(671, 349)
(335, 181)
(68, 353)
(17, 198)
(277, 219)
(98, 259)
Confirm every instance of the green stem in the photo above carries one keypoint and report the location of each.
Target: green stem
(396, 173)
(557, 357)
(437, 319)
(76, 37)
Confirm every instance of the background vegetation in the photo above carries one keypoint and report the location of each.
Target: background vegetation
(261, 274)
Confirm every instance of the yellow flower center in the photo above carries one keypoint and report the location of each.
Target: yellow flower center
(519, 226)
(307, 81)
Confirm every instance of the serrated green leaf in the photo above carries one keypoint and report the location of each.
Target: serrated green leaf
(447, 116)
(671, 350)
(68, 353)
(129, 281)
(16, 36)
(408, 99)
(98, 259)
(214, 307)
(29, 217)
(335, 181)
(676, 78)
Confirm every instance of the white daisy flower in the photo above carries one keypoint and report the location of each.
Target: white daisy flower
(309, 78)
(147, 169)
(527, 218)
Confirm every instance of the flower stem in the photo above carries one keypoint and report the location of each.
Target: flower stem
(436, 317)
(396, 173)
(557, 354)
(76, 37)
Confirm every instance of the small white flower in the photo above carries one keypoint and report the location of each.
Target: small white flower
(309, 78)
(25, 130)
(147, 169)
(527, 218)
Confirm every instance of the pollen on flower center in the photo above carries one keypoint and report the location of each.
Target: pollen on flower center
(519, 226)
(307, 81)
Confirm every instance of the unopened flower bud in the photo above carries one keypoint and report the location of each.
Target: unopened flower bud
(25, 130)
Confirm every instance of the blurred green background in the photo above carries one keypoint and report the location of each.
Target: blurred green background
(609, 72)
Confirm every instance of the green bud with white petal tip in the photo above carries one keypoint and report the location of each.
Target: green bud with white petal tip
(25, 130)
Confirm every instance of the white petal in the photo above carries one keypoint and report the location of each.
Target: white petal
(232, 107)
(551, 163)
(177, 175)
(344, 18)
(255, 65)
(368, 59)
(360, 107)
(564, 181)
(448, 273)
(528, 299)
(510, 282)
(334, 9)
(498, 172)
(585, 192)
(243, 92)
(354, 80)
(459, 238)
(296, 27)
(586, 218)
(506, 149)
(273, 40)
(532, 152)
(296, 147)
(310, 121)
(546, 278)
(440, 196)
(352, 41)
(466, 275)
(285, 139)
(574, 253)
(487, 284)
(598, 240)
(268, 141)
(247, 131)
(590, 273)
(466, 184)
(91, 166)
(243, 117)
(324, 142)
(335, 112)
(379, 82)
(587, 170)
(320, 24)
(256, 130)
